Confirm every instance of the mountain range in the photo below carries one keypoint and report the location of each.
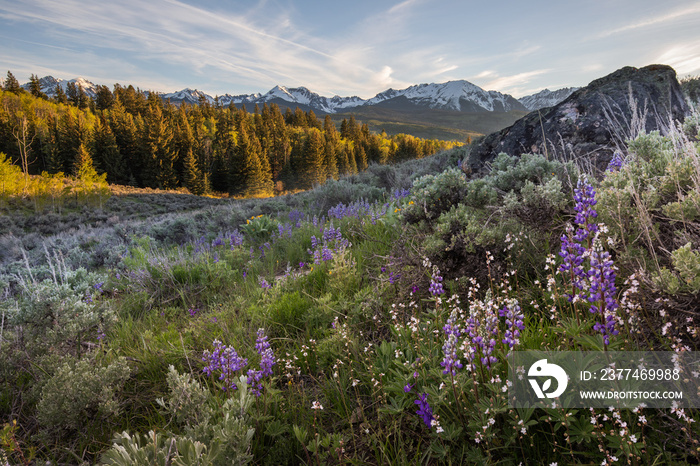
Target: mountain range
(454, 96)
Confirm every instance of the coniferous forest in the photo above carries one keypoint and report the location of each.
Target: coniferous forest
(137, 139)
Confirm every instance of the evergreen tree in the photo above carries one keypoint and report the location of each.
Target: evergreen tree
(193, 178)
(35, 87)
(125, 132)
(83, 166)
(108, 158)
(314, 172)
(103, 98)
(60, 97)
(157, 141)
(249, 171)
(11, 84)
(361, 159)
(330, 161)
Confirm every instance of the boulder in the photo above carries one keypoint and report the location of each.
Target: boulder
(593, 122)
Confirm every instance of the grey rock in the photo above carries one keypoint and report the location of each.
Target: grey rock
(593, 122)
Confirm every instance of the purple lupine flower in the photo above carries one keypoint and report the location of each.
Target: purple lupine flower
(98, 286)
(253, 381)
(584, 195)
(394, 277)
(326, 254)
(400, 193)
(235, 239)
(602, 291)
(267, 357)
(514, 322)
(263, 283)
(450, 362)
(407, 388)
(225, 359)
(616, 162)
(301, 265)
(572, 267)
(414, 289)
(436, 288)
(193, 312)
(424, 409)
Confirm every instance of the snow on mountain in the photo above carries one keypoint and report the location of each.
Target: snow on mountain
(458, 96)
(303, 96)
(188, 96)
(546, 98)
(48, 85)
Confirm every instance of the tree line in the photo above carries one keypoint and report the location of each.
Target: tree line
(136, 138)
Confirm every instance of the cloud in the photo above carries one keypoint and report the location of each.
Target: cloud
(684, 58)
(653, 21)
(512, 84)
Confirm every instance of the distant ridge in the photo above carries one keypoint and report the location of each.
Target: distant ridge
(453, 96)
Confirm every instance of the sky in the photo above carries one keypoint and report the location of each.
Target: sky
(346, 48)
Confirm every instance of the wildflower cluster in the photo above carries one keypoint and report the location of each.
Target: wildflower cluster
(450, 362)
(330, 244)
(616, 162)
(595, 283)
(436, 288)
(267, 360)
(227, 361)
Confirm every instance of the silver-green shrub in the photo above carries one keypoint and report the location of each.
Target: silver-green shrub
(79, 394)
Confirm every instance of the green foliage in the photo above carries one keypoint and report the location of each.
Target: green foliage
(60, 311)
(186, 398)
(218, 435)
(652, 206)
(520, 196)
(139, 140)
(432, 195)
(158, 449)
(81, 395)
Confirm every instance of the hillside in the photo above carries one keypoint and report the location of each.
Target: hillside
(453, 110)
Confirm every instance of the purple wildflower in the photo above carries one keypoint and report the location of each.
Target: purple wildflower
(267, 357)
(584, 195)
(450, 362)
(514, 322)
(407, 388)
(602, 291)
(226, 360)
(424, 409)
(263, 283)
(616, 162)
(436, 288)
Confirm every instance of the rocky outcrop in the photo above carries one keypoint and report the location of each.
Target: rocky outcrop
(593, 122)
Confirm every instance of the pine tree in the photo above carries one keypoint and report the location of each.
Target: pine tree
(59, 96)
(35, 87)
(313, 169)
(249, 173)
(161, 156)
(193, 178)
(330, 161)
(361, 159)
(108, 158)
(103, 98)
(11, 84)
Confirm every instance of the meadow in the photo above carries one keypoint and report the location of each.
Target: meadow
(366, 321)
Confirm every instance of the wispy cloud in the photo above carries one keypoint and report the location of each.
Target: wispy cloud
(513, 84)
(654, 21)
(684, 58)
